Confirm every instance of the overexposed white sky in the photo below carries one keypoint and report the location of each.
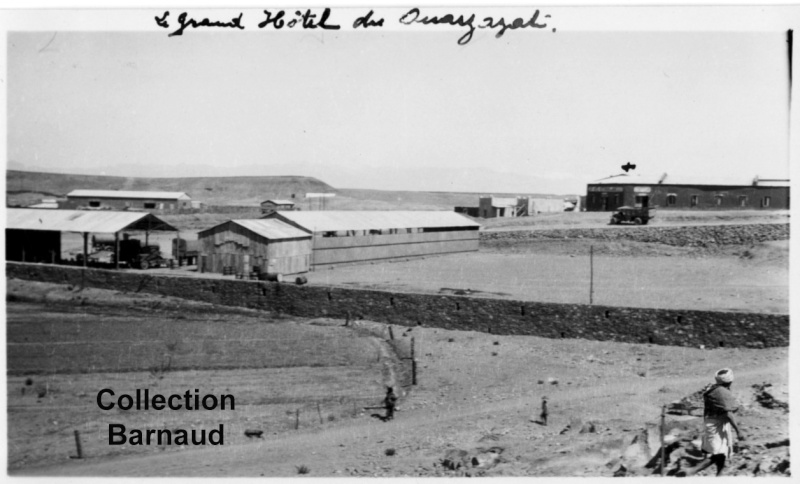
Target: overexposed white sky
(405, 109)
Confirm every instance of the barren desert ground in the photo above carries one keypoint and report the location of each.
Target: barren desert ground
(475, 410)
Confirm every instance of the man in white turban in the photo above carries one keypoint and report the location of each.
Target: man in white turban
(720, 404)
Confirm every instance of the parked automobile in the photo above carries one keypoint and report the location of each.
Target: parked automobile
(634, 215)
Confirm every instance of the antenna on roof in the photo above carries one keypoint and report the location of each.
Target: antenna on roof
(663, 177)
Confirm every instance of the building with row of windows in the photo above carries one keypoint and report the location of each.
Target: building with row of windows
(147, 201)
(670, 192)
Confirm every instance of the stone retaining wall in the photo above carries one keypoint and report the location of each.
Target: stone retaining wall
(691, 235)
(550, 320)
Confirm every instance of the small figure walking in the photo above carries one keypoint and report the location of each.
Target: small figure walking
(720, 405)
(543, 416)
(389, 403)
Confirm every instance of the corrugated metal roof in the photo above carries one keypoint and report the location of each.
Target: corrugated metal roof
(128, 194)
(328, 221)
(95, 221)
(272, 229)
(279, 202)
(666, 179)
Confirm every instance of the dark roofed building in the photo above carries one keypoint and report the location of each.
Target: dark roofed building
(686, 193)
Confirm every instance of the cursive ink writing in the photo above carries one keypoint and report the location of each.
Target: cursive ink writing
(162, 22)
(412, 16)
(366, 21)
(415, 16)
(518, 23)
(235, 22)
(306, 19)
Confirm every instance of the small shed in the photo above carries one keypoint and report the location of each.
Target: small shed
(262, 245)
(269, 206)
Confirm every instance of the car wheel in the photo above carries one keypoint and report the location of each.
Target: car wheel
(637, 221)
(143, 265)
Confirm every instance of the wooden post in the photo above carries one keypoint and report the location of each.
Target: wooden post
(319, 412)
(591, 274)
(116, 249)
(178, 247)
(663, 449)
(78, 444)
(85, 249)
(413, 362)
(391, 333)
(297, 419)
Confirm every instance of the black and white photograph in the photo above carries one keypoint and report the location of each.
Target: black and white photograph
(414, 241)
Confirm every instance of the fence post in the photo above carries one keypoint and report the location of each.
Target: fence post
(663, 450)
(591, 274)
(297, 419)
(320, 413)
(78, 444)
(413, 363)
(391, 333)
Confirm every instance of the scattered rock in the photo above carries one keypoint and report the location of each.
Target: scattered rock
(552, 381)
(455, 459)
(779, 443)
(621, 472)
(782, 467)
(588, 428)
(766, 399)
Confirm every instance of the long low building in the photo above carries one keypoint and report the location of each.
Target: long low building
(243, 246)
(156, 202)
(344, 237)
(674, 192)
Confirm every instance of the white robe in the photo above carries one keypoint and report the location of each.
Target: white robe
(718, 436)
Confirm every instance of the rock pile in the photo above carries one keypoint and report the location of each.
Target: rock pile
(683, 444)
(472, 463)
(680, 236)
(688, 405)
(766, 399)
